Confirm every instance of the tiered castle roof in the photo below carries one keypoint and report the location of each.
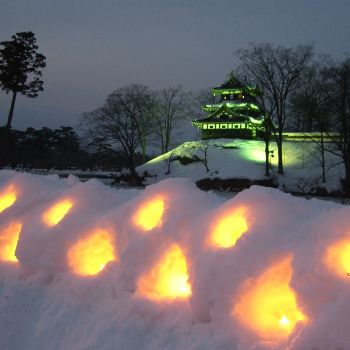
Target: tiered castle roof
(237, 110)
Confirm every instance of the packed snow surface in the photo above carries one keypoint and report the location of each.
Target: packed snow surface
(84, 266)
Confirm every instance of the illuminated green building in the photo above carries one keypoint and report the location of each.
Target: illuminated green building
(236, 115)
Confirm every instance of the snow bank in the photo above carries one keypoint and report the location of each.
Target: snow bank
(84, 266)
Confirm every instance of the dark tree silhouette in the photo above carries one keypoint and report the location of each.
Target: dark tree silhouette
(20, 68)
(339, 105)
(278, 71)
(46, 148)
(170, 107)
(310, 110)
(125, 120)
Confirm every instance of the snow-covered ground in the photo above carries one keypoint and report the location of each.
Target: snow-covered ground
(84, 266)
(245, 159)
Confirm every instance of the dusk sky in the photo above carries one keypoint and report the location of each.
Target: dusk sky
(94, 47)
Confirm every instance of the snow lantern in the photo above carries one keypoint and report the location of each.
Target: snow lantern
(337, 257)
(149, 215)
(7, 198)
(229, 228)
(89, 255)
(267, 305)
(168, 279)
(53, 215)
(9, 236)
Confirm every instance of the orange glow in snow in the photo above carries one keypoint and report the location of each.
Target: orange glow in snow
(90, 255)
(150, 214)
(267, 305)
(168, 279)
(7, 198)
(229, 229)
(57, 212)
(8, 241)
(337, 257)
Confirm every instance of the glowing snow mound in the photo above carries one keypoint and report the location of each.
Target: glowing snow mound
(169, 267)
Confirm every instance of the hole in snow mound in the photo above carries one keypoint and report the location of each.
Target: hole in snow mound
(7, 198)
(89, 255)
(168, 280)
(8, 241)
(228, 229)
(149, 214)
(267, 305)
(337, 257)
(53, 215)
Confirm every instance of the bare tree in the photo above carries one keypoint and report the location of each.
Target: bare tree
(310, 102)
(339, 105)
(170, 107)
(278, 71)
(200, 99)
(310, 110)
(268, 107)
(269, 128)
(203, 158)
(169, 160)
(123, 120)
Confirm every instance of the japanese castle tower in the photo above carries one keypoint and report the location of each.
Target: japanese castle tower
(236, 115)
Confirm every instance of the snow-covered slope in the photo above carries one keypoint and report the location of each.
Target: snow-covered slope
(83, 266)
(245, 159)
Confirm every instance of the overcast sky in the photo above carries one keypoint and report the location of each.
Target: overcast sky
(95, 46)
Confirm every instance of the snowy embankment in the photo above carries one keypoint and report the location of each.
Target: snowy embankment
(245, 159)
(84, 266)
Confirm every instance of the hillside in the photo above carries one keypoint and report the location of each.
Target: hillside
(234, 160)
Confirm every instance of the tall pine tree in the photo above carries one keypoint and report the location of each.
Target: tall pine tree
(20, 68)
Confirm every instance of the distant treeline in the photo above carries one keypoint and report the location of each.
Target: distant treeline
(60, 148)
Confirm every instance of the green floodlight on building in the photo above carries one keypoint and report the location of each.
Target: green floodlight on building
(237, 115)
